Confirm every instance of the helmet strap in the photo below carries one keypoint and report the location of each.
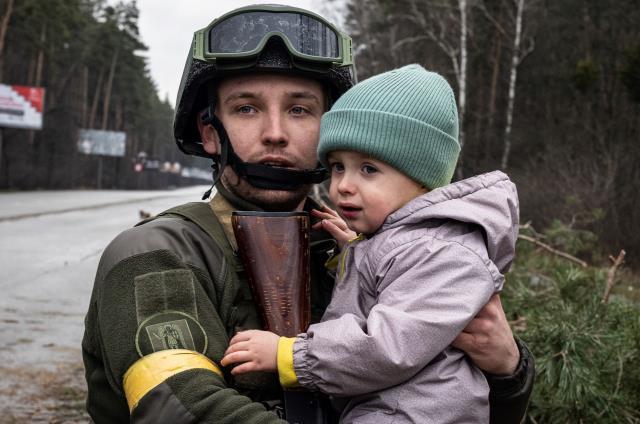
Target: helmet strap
(260, 176)
(219, 160)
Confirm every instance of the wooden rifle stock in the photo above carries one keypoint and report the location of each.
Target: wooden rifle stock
(274, 249)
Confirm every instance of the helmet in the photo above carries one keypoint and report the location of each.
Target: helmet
(269, 38)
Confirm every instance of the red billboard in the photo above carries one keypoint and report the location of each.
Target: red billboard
(21, 106)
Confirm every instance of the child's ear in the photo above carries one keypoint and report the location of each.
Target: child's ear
(209, 137)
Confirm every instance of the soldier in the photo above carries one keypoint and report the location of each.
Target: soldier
(256, 83)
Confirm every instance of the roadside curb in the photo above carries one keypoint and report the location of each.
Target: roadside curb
(82, 208)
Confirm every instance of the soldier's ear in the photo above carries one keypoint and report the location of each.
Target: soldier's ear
(209, 137)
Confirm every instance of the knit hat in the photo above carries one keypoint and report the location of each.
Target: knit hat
(406, 118)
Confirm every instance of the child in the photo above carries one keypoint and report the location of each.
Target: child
(428, 257)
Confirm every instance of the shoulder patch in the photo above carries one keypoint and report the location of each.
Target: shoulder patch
(170, 330)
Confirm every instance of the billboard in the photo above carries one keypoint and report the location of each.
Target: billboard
(99, 142)
(21, 106)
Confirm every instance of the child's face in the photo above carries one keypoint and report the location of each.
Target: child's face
(365, 190)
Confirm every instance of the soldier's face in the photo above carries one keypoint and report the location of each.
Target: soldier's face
(271, 119)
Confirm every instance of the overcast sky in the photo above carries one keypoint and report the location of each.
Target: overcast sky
(167, 26)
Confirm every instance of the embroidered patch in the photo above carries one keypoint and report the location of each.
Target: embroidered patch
(170, 330)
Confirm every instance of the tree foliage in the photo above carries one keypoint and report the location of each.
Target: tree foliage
(87, 55)
(587, 352)
(575, 117)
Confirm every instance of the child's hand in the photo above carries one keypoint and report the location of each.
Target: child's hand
(257, 350)
(334, 225)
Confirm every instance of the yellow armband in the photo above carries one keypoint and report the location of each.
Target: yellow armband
(151, 370)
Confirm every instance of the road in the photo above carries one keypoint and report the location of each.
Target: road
(50, 245)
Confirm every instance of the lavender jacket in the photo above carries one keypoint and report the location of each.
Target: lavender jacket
(402, 296)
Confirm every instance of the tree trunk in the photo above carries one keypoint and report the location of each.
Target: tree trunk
(489, 130)
(39, 70)
(495, 74)
(96, 97)
(513, 75)
(119, 114)
(31, 73)
(85, 97)
(4, 25)
(108, 88)
(462, 81)
(40, 59)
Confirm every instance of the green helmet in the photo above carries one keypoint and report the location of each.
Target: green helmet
(270, 38)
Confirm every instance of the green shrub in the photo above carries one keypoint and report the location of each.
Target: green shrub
(587, 353)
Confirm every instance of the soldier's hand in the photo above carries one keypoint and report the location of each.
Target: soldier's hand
(255, 350)
(333, 224)
(488, 340)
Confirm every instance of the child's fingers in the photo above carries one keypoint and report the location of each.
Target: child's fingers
(341, 235)
(241, 336)
(337, 222)
(327, 209)
(235, 357)
(338, 229)
(324, 211)
(331, 228)
(238, 346)
(322, 215)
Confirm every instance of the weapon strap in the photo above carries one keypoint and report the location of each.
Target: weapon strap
(200, 213)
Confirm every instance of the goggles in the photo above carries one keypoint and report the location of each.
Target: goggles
(243, 33)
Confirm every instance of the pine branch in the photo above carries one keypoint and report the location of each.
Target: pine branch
(554, 251)
(528, 226)
(619, 380)
(611, 274)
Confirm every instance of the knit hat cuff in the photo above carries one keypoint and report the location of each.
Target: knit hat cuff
(375, 133)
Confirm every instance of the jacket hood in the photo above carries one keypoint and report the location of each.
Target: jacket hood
(489, 201)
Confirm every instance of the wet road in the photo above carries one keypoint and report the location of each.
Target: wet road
(50, 245)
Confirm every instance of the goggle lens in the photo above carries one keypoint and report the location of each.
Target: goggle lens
(243, 33)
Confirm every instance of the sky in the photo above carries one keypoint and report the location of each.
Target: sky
(167, 26)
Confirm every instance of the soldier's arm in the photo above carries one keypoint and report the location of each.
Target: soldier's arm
(507, 362)
(509, 395)
(152, 294)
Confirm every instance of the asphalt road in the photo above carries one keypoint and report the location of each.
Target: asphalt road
(50, 245)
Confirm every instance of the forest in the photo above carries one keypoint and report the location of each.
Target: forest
(87, 56)
(547, 91)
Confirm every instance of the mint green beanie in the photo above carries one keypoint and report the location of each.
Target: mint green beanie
(406, 118)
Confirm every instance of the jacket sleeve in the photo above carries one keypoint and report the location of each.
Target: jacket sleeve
(156, 331)
(509, 395)
(423, 302)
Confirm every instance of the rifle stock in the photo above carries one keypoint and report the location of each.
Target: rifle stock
(274, 249)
